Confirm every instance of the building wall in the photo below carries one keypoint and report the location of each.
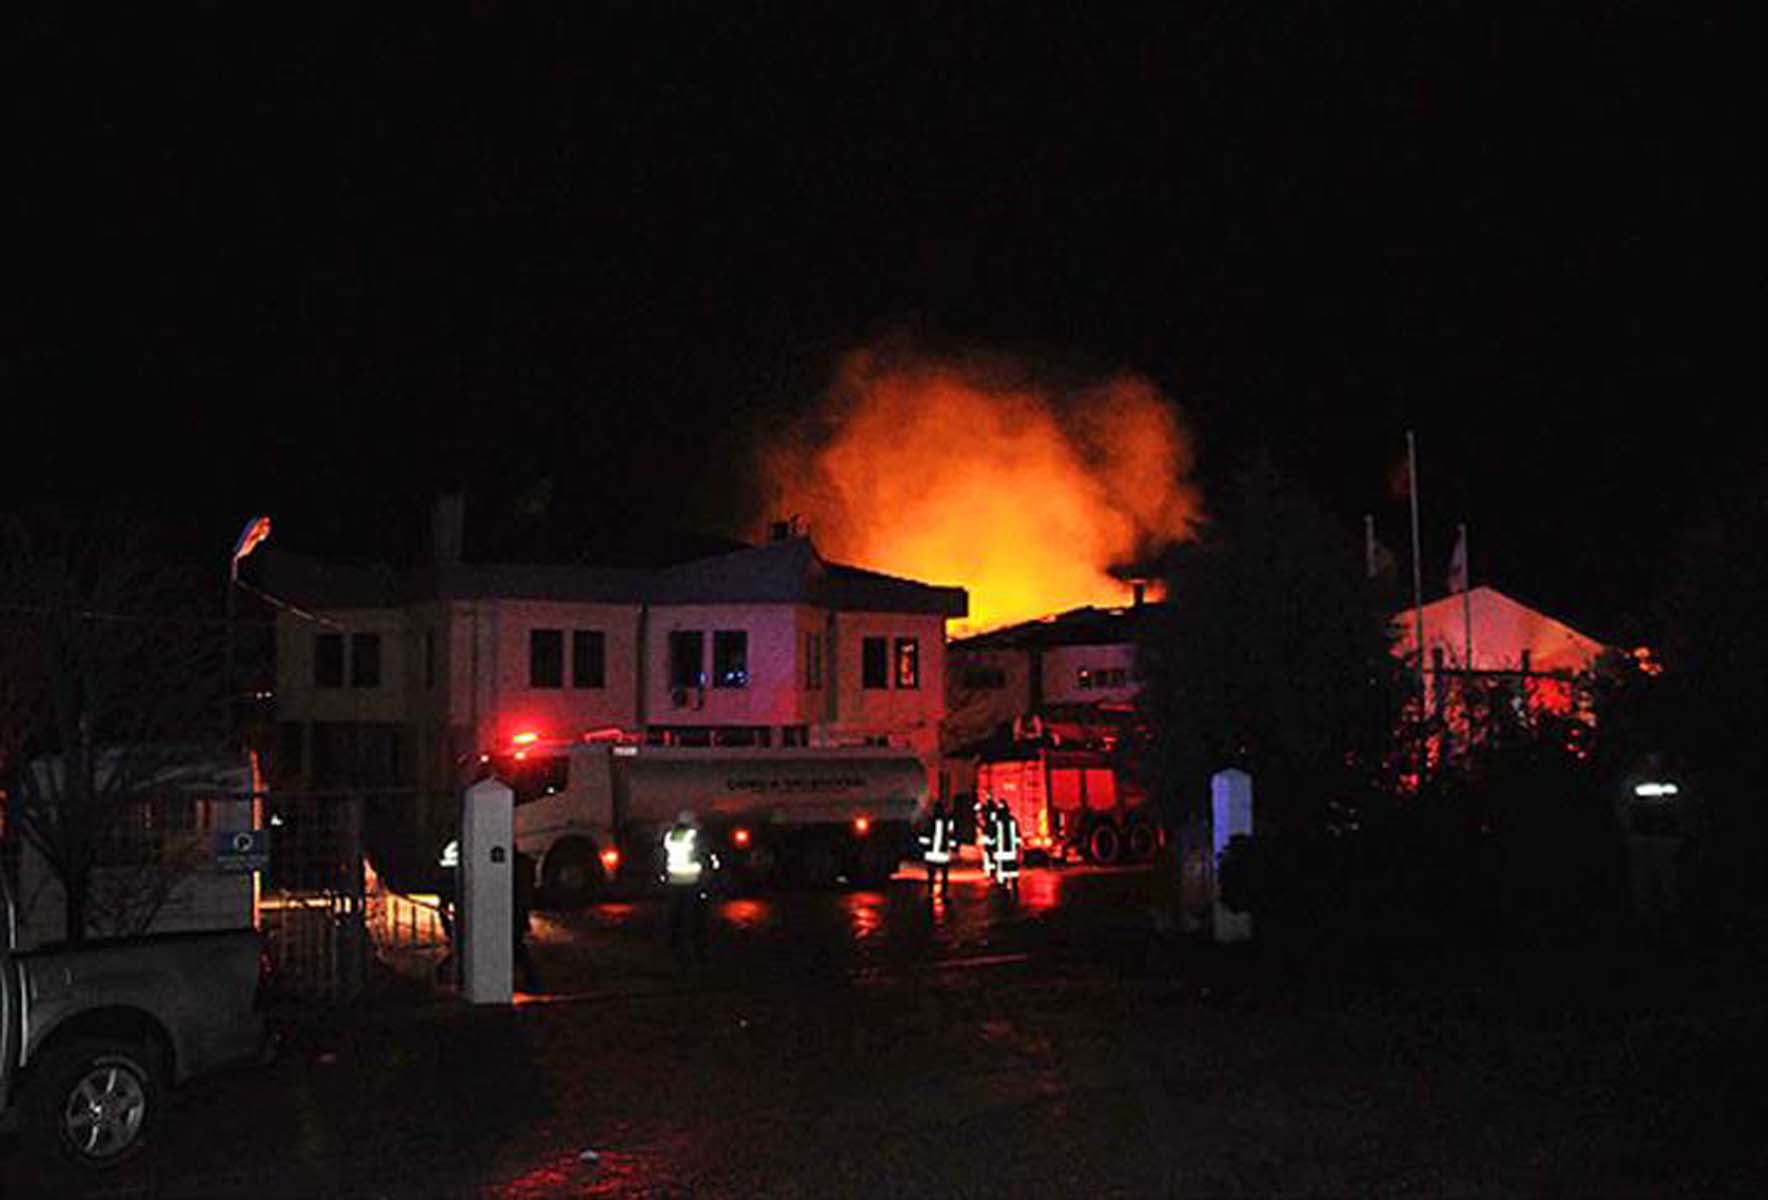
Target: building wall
(491, 684)
(773, 696)
(974, 707)
(455, 677)
(298, 694)
(1063, 667)
(860, 710)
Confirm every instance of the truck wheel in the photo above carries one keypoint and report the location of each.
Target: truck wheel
(1141, 841)
(1104, 844)
(95, 1100)
(573, 874)
(875, 863)
(814, 861)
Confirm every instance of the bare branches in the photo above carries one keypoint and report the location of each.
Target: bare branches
(110, 670)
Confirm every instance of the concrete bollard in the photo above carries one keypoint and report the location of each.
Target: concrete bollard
(484, 925)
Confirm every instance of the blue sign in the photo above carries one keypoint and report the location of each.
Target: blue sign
(242, 850)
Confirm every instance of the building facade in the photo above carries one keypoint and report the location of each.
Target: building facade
(402, 678)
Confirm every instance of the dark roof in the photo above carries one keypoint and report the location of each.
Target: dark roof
(1087, 626)
(789, 571)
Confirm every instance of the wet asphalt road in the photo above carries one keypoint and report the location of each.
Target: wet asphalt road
(867, 1044)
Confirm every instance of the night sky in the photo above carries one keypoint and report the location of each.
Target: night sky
(328, 267)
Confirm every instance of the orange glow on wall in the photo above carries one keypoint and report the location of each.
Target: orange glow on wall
(971, 472)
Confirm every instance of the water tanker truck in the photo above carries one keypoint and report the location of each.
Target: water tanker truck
(591, 815)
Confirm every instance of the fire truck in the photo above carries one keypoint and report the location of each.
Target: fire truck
(1071, 801)
(591, 815)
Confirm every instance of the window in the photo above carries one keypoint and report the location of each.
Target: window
(365, 660)
(730, 658)
(794, 735)
(546, 658)
(874, 663)
(328, 660)
(813, 661)
(1103, 677)
(908, 662)
(588, 658)
(687, 657)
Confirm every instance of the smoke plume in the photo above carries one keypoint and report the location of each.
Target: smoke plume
(974, 472)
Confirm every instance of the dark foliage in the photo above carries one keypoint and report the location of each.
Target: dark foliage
(1274, 657)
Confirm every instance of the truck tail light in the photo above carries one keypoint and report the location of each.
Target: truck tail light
(610, 860)
(740, 838)
(862, 825)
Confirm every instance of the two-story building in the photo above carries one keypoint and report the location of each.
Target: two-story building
(404, 677)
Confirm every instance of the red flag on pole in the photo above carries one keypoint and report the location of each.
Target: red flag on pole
(256, 530)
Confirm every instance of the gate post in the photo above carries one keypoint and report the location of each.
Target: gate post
(1230, 795)
(487, 850)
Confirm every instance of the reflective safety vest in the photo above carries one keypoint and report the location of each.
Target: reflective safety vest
(682, 862)
(937, 841)
(1006, 844)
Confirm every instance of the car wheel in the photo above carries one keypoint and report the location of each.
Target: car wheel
(95, 1100)
(573, 875)
(1141, 842)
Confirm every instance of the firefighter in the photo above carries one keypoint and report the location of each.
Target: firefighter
(1006, 848)
(936, 849)
(688, 863)
(985, 821)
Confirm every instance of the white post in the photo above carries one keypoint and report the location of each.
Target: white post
(1230, 794)
(487, 851)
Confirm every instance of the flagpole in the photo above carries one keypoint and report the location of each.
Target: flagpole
(1467, 598)
(227, 663)
(1417, 582)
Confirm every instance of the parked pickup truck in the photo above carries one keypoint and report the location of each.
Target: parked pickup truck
(91, 1036)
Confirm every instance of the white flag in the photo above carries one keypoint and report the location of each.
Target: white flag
(1458, 564)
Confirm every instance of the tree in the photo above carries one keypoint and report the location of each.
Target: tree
(110, 680)
(1274, 655)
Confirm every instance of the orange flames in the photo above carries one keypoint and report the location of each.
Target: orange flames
(972, 473)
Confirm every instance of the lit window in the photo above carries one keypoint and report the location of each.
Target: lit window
(908, 662)
(730, 658)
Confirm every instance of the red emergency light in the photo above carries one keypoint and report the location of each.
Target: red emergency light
(526, 738)
(740, 837)
(610, 859)
(862, 825)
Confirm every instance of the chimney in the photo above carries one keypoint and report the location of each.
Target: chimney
(447, 529)
(785, 529)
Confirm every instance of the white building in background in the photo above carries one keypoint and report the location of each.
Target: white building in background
(1509, 640)
(400, 677)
